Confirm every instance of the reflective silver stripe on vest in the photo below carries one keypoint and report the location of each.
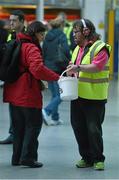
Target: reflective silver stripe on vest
(84, 79)
(93, 51)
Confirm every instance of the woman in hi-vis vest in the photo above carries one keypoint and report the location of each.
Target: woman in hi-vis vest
(90, 60)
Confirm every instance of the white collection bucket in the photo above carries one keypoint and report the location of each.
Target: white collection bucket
(68, 87)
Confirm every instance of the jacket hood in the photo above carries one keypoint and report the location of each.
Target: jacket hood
(23, 36)
(53, 34)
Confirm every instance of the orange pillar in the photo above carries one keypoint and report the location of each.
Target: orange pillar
(111, 20)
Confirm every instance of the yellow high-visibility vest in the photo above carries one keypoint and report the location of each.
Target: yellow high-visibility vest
(93, 86)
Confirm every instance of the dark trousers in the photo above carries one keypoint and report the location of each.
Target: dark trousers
(11, 131)
(27, 123)
(86, 121)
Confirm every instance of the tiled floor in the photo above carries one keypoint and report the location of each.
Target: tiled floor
(58, 149)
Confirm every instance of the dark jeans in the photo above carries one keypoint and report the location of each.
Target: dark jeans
(86, 120)
(27, 123)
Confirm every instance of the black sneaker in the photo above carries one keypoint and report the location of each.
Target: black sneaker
(31, 164)
(8, 140)
(16, 164)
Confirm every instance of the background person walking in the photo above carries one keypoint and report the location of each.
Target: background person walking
(55, 40)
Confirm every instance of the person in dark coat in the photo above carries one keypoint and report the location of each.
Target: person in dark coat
(16, 25)
(54, 40)
(3, 36)
(3, 33)
(25, 97)
(3, 40)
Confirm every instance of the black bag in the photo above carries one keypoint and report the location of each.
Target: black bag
(9, 61)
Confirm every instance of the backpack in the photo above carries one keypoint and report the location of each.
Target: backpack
(62, 61)
(55, 55)
(9, 61)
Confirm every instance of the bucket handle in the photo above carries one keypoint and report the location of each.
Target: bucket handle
(67, 71)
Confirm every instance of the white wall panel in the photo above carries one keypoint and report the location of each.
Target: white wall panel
(95, 11)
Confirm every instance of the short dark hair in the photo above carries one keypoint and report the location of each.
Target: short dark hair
(35, 27)
(19, 13)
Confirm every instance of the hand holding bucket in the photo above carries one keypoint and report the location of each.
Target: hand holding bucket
(68, 87)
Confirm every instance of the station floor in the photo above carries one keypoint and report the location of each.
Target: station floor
(58, 149)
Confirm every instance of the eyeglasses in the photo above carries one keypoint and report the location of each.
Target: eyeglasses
(42, 33)
(75, 32)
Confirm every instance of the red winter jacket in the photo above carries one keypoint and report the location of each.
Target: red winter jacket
(26, 91)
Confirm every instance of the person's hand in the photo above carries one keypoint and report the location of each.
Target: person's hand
(71, 69)
(70, 64)
(69, 73)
